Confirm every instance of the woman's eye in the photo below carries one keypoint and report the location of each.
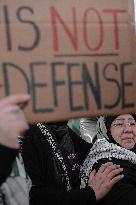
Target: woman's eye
(120, 124)
(132, 124)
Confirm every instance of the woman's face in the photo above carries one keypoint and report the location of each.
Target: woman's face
(123, 130)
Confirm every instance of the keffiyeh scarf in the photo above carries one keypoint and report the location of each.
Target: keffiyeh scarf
(103, 149)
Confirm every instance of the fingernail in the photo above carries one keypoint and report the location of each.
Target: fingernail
(121, 168)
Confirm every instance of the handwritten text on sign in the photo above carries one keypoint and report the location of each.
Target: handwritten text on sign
(74, 61)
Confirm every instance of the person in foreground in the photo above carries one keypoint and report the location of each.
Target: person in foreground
(52, 155)
(12, 124)
(116, 141)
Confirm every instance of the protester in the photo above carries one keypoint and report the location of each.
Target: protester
(12, 124)
(116, 142)
(52, 155)
(13, 189)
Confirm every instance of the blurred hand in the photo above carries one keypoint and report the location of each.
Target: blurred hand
(12, 119)
(103, 180)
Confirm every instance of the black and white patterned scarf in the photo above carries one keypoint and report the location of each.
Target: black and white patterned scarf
(102, 149)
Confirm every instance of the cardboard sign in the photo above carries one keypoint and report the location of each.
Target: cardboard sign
(75, 58)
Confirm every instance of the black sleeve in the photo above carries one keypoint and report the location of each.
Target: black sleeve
(44, 192)
(44, 196)
(7, 157)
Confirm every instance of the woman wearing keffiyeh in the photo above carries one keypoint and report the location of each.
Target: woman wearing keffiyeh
(116, 141)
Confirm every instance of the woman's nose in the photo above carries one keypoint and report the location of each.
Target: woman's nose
(127, 128)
